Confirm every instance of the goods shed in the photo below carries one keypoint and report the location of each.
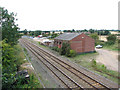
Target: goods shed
(79, 42)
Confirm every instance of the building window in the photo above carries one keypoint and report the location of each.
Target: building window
(59, 42)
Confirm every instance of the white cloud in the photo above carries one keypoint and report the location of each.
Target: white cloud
(64, 14)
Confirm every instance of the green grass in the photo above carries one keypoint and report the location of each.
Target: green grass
(33, 82)
(43, 46)
(107, 76)
(113, 47)
(86, 60)
(85, 57)
(19, 54)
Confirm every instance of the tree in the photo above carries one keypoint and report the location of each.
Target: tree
(9, 28)
(91, 31)
(111, 39)
(64, 50)
(31, 33)
(85, 30)
(73, 30)
(106, 32)
(53, 32)
(54, 35)
(37, 32)
(25, 32)
(94, 36)
(65, 30)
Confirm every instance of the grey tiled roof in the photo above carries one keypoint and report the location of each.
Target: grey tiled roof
(67, 36)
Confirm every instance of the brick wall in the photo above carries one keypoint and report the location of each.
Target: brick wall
(82, 43)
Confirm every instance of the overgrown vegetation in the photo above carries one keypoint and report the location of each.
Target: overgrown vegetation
(113, 47)
(9, 28)
(95, 37)
(103, 69)
(65, 50)
(32, 82)
(11, 62)
(111, 39)
(12, 58)
(111, 44)
(12, 55)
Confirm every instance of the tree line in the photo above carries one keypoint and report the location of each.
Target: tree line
(39, 32)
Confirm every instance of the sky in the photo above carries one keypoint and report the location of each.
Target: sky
(64, 14)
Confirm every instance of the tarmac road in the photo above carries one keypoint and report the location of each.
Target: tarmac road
(108, 58)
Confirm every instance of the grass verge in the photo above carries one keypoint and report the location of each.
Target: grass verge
(33, 81)
(92, 65)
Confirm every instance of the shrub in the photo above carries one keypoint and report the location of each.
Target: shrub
(109, 43)
(93, 63)
(94, 36)
(64, 49)
(103, 67)
(71, 53)
(111, 39)
(55, 49)
(60, 51)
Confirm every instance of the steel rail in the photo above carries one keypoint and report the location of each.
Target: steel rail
(71, 67)
(28, 46)
(71, 71)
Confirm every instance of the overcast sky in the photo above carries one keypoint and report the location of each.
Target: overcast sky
(64, 14)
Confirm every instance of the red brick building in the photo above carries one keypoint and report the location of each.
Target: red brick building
(79, 42)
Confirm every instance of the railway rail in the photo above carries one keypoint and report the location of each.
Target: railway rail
(70, 76)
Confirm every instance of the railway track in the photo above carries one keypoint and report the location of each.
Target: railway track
(70, 76)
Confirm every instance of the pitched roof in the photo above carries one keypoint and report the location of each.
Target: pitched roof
(67, 36)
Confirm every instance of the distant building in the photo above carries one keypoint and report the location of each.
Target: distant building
(79, 42)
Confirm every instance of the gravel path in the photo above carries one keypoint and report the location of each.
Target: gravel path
(108, 58)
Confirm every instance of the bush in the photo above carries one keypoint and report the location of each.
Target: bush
(55, 49)
(71, 53)
(54, 35)
(98, 42)
(111, 39)
(109, 43)
(94, 36)
(103, 67)
(60, 51)
(64, 49)
(93, 63)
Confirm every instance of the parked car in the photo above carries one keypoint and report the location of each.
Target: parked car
(99, 46)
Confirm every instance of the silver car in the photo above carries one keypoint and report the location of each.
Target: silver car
(99, 46)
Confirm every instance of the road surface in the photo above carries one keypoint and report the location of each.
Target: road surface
(108, 58)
